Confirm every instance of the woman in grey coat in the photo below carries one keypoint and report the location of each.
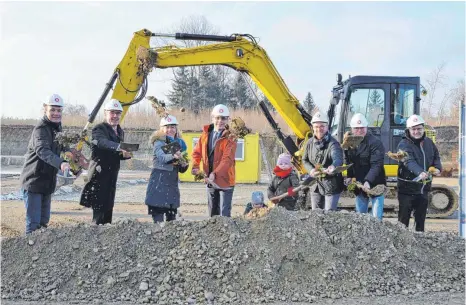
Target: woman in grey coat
(163, 193)
(323, 150)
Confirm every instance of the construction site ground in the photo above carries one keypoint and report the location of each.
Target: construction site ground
(129, 204)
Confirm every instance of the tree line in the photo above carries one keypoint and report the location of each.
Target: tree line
(199, 88)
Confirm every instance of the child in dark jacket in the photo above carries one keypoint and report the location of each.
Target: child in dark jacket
(284, 181)
(257, 201)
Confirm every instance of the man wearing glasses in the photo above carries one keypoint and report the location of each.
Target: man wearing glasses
(99, 192)
(216, 149)
(414, 179)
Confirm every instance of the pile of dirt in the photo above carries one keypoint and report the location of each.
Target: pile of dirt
(284, 256)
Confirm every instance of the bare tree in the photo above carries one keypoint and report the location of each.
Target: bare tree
(457, 98)
(435, 81)
(442, 114)
(74, 110)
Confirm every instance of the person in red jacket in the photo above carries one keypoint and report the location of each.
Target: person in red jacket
(216, 149)
(284, 181)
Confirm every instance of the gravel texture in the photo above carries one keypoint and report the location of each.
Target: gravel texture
(281, 258)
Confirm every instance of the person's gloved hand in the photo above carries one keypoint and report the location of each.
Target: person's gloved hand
(195, 171)
(65, 166)
(330, 169)
(348, 181)
(290, 192)
(313, 172)
(367, 186)
(212, 177)
(436, 172)
(424, 176)
(177, 155)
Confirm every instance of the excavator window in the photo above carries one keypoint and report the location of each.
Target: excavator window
(402, 104)
(368, 101)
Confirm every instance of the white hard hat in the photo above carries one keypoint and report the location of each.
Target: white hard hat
(54, 100)
(221, 110)
(113, 104)
(414, 120)
(358, 120)
(168, 120)
(319, 117)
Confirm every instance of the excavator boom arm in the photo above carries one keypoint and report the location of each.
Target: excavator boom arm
(236, 52)
(242, 55)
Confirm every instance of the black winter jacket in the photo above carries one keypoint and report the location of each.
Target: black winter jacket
(421, 155)
(99, 191)
(279, 186)
(368, 161)
(331, 154)
(39, 174)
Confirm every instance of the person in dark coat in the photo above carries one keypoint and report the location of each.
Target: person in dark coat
(257, 202)
(39, 174)
(368, 166)
(163, 193)
(414, 181)
(324, 151)
(99, 191)
(284, 181)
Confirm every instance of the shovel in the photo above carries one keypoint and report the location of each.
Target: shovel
(309, 181)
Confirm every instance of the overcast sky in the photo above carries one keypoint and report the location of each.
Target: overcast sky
(71, 48)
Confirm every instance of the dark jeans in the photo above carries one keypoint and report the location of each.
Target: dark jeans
(37, 210)
(219, 201)
(100, 217)
(408, 203)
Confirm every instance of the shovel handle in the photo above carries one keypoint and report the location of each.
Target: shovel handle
(280, 197)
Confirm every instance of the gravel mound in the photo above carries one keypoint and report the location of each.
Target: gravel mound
(284, 256)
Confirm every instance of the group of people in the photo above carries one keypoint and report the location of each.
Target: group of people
(215, 150)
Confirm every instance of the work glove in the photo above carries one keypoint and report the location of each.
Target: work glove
(424, 176)
(290, 192)
(436, 172)
(348, 181)
(313, 172)
(65, 166)
(330, 169)
(367, 186)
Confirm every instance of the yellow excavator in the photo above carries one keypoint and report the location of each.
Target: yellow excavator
(386, 101)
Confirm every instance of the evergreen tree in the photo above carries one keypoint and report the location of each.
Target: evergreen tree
(196, 98)
(209, 87)
(179, 95)
(375, 99)
(309, 104)
(241, 93)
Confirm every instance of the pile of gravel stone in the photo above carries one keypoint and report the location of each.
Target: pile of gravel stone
(284, 256)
